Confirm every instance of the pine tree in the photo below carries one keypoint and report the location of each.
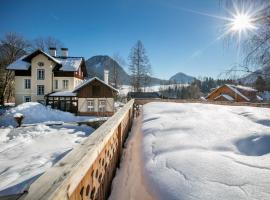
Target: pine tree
(260, 84)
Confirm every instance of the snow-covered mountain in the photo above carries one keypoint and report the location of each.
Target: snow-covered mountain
(182, 78)
(251, 78)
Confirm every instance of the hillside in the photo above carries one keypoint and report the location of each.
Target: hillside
(95, 67)
(182, 78)
(251, 78)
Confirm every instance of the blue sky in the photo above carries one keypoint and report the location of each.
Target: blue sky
(176, 39)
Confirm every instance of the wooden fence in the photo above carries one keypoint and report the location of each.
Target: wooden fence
(144, 101)
(87, 171)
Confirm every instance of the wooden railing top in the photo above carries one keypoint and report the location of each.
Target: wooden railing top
(144, 101)
(60, 181)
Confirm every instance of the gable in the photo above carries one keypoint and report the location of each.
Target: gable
(95, 89)
(29, 57)
(225, 89)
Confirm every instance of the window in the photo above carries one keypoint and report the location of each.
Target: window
(41, 64)
(27, 84)
(90, 106)
(40, 89)
(65, 84)
(40, 74)
(27, 99)
(101, 105)
(55, 84)
(96, 90)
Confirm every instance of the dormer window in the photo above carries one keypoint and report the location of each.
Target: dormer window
(40, 64)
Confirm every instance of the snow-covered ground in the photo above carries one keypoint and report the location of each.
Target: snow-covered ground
(37, 113)
(155, 88)
(199, 151)
(26, 152)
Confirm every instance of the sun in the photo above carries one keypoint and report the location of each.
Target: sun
(242, 22)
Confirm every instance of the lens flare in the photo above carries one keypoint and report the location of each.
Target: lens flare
(242, 22)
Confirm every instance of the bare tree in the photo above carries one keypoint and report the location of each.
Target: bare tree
(44, 43)
(139, 66)
(256, 47)
(12, 47)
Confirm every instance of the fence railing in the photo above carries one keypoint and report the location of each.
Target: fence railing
(144, 101)
(87, 171)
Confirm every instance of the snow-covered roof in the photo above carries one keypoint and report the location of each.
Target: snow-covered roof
(51, 57)
(70, 63)
(233, 88)
(89, 81)
(63, 94)
(228, 97)
(259, 98)
(67, 64)
(19, 65)
(241, 87)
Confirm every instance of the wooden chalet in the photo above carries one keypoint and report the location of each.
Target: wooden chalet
(234, 93)
(92, 97)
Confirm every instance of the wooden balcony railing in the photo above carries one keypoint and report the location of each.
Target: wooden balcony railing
(87, 171)
(253, 104)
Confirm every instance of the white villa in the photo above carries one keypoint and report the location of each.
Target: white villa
(59, 82)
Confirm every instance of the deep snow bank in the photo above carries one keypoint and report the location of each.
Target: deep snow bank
(35, 113)
(26, 152)
(197, 151)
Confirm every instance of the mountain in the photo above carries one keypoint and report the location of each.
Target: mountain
(252, 77)
(95, 67)
(182, 78)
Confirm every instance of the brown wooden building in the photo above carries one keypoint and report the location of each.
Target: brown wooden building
(92, 97)
(234, 93)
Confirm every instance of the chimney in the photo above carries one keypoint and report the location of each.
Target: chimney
(64, 52)
(106, 76)
(52, 51)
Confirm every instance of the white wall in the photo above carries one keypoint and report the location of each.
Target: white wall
(82, 104)
(20, 91)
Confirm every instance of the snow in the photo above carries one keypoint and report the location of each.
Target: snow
(19, 65)
(63, 94)
(228, 97)
(125, 89)
(203, 151)
(49, 56)
(244, 88)
(34, 112)
(70, 63)
(26, 152)
(259, 98)
(17, 115)
(44, 138)
(129, 182)
(233, 88)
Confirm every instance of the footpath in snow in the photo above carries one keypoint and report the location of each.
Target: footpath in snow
(129, 182)
(26, 152)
